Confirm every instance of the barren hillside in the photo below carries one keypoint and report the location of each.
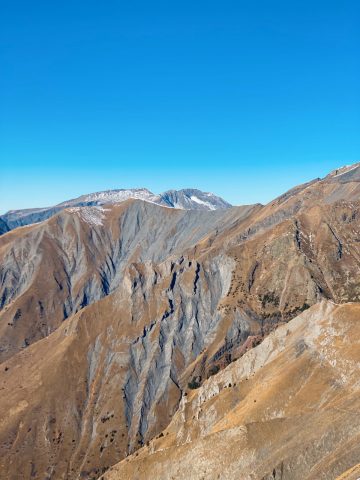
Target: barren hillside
(117, 319)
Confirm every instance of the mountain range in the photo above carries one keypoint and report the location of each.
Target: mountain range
(179, 337)
(186, 199)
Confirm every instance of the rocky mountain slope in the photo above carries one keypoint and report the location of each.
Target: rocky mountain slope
(192, 199)
(3, 227)
(288, 409)
(109, 312)
(51, 270)
(187, 199)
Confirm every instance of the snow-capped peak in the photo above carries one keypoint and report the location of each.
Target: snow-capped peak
(115, 196)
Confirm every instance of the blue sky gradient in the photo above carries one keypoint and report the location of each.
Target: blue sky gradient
(245, 99)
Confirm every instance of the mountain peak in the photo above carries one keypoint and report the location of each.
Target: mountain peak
(193, 199)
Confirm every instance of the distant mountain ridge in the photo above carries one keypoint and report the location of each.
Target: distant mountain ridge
(185, 199)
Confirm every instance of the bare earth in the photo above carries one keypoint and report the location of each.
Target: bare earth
(108, 314)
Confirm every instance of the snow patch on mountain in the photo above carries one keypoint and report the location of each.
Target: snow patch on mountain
(117, 196)
(92, 215)
(186, 199)
(201, 202)
(193, 199)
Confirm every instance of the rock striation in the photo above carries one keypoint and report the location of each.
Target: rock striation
(123, 322)
(286, 410)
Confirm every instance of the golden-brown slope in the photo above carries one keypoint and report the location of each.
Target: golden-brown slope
(109, 378)
(288, 409)
(352, 474)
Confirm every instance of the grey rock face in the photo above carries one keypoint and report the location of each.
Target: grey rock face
(192, 199)
(188, 325)
(3, 227)
(350, 173)
(83, 261)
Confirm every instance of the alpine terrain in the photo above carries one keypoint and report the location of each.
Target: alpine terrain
(175, 336)
(188, 199)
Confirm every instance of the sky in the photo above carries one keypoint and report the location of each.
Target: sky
(242, 98)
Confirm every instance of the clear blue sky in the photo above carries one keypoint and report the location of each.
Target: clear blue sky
(242, 98)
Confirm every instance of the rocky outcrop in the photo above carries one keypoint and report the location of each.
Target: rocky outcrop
(286, 410)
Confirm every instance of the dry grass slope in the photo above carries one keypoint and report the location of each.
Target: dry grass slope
(288, 409)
